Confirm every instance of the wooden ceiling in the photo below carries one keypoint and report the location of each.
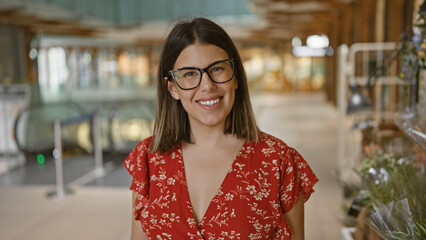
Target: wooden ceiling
(35, 23)
(286, 19)
(283, 20)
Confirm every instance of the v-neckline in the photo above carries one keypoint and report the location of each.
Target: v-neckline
(188, 198)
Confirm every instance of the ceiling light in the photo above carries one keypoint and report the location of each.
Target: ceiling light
(317, 41)
(296, 42)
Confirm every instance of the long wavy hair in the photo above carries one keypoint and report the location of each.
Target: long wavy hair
(172, 123)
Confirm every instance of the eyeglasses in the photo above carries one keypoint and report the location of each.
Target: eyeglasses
(188, 78)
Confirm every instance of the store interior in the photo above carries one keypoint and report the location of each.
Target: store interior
(342, 81)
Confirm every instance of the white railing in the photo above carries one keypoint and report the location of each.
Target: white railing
(99, 171)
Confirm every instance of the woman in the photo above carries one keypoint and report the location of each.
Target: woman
(208, 172)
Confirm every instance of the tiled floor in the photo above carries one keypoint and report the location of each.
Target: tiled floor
(101, 208)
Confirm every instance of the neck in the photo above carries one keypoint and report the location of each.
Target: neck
(210, 135)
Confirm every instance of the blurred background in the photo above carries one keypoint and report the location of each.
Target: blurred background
(342, 81)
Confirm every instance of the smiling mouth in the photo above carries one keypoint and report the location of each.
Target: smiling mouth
(210, 102)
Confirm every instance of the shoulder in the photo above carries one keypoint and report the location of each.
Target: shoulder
(270, 146)
(142, 153)
(142, 146)
(136, 160)
(267, 141)
(146, 143)
(140, 150)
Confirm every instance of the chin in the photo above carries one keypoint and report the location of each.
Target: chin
(212, 122)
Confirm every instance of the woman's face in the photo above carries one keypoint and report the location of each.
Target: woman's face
(210, 103)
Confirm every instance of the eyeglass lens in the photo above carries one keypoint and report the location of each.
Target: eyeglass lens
(191, 77)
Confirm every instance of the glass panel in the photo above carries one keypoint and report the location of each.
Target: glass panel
(53, 73)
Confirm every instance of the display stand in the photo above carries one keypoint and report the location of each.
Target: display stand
(385, 160)
(355, 65)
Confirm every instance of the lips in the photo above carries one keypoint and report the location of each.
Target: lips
(209, 102)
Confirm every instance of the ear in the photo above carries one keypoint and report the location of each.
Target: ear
(235, 83)
(171, 86)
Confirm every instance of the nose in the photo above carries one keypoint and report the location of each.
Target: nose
(206, 82)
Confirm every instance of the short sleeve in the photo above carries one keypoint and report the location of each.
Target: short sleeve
(297, 178)
(136, 164)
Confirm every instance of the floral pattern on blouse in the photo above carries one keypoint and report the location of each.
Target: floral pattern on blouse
(265, 181)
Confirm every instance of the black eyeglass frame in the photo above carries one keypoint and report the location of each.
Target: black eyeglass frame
(204, 70)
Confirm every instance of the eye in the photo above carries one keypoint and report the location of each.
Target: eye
(190, 74)
(217, 69)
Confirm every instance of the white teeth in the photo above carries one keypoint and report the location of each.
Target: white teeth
(210, 102)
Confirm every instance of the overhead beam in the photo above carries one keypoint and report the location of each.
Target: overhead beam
(34, 23)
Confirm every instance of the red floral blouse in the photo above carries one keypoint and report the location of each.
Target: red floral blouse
(265, 181)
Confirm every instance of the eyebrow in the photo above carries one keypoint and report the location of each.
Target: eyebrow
(192, 67)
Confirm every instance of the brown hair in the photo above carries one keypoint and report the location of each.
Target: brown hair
(171, 123)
